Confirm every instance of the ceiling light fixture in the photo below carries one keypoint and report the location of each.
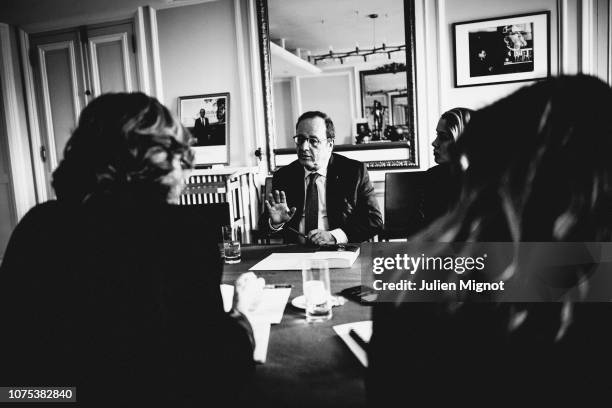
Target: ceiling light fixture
(358, 52)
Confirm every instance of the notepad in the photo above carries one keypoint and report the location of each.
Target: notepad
(269, 311)
(363, 330)
(271, 307)
(294, 261)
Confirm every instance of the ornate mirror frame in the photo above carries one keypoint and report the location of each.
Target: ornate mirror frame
(266, 65)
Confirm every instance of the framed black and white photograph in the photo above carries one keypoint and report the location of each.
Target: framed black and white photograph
(505, 49)
(207, 117)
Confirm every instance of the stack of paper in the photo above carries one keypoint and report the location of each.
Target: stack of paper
(294, 261)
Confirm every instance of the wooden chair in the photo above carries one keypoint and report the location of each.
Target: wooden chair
(266, 189)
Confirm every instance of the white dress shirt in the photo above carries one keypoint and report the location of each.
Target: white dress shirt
(322, 223)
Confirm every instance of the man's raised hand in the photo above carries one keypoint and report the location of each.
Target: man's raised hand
(277, 207)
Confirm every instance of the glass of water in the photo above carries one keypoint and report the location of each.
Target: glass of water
(231, 243)
(317, 291)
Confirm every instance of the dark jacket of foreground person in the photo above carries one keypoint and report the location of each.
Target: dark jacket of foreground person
(546, 179)
(123, 302)
(111, 288)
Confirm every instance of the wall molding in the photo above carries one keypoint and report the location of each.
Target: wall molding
(609, 44)
(429, 74)
(142, 54)
(17, 142)
(587, 63)
(243, 81)
(257, 89)
(157, 76)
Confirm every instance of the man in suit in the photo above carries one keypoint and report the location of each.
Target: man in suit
(326, 197)
(201, 129)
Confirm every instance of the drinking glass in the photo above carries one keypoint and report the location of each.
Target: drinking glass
(317, 292)
(231, 243)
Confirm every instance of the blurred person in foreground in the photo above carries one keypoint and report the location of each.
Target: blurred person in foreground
(546, 178)
(112, 289)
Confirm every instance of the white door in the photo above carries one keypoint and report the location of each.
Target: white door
(70, 69)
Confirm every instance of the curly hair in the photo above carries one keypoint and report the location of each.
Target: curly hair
(124, 144)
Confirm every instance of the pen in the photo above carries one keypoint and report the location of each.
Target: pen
(355, 336)
(297, 232)
(278, 286)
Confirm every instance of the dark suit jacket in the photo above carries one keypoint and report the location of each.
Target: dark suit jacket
(123, 302)
(201, 132)
(351, 203)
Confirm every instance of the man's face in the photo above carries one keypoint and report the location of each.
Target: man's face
(313, 148)
(202, 113)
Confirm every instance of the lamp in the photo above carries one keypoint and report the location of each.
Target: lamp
(359, 52)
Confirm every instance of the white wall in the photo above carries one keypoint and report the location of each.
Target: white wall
(435, 76)
(198, 54)
(332, 94)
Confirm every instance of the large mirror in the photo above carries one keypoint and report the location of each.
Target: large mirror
(352, 59)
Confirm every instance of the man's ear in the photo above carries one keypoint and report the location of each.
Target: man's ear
(331, 143)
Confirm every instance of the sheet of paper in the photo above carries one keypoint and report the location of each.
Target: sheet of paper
(294, 261)
(282, 262)
(272, 305)
(364, 330)
(261, 333)
(270, 309)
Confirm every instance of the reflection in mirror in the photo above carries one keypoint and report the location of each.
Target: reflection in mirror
(384, 102)
(345, 58)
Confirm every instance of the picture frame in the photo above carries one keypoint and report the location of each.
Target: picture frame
(361, 129)
(500, 50)
(207, 118)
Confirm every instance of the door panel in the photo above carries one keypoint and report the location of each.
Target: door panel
(59, 82)
(113, 62)
(60, 96)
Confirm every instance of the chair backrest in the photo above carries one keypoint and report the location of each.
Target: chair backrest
(403, 201)
(265, 191)
(215, 214)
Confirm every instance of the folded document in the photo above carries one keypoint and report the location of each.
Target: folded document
(294, 261)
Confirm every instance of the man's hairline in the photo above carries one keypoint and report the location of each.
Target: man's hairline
(324, 124)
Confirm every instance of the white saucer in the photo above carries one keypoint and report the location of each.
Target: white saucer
(300, 301)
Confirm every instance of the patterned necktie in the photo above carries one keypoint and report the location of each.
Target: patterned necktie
(311, 212)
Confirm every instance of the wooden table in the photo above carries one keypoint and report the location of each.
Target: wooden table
(307, 364)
